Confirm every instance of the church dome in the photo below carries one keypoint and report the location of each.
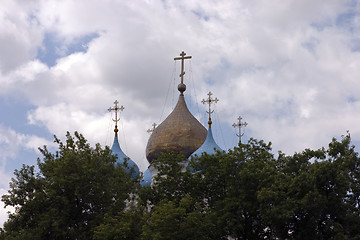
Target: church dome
(209, 146)
(121, 157)
(146, 181)
(180, 132)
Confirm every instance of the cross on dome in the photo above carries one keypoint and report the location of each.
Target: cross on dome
(209, 101)
(116, 109)
(152, 130)
(182, 86)
(240, 125)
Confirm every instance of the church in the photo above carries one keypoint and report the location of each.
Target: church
(180, 132)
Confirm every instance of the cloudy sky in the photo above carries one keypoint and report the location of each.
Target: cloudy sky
(290, 68)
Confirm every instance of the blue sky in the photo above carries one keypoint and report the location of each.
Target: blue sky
(291, 69)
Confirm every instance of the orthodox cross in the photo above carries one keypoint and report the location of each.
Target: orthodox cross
(182, 86)
(116, 109)
(209, 101)
(240, 125)
(152, 130)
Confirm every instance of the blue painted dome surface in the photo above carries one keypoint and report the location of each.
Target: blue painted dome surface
(146, 181)
(209, 146)
(120, 159)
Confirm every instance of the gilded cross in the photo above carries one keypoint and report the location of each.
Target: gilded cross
(182, 86)
(209, 101)
(116, 109)
(240, 125)
(152, 130)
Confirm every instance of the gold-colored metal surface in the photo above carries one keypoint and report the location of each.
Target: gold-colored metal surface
(116, 109)
(182, 58)
(182, 86)
(180, 132)
(210, 101)
(239, 125)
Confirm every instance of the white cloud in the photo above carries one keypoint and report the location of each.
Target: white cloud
(20, 35)
(4, 211)
(11, 142)
(287, 68)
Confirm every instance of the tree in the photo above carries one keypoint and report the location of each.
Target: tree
(176, 221)
(69, 196)
(248, 194)
(315, 194)
(124, 225)
(223, 186)
(231, 183)
(245, 193)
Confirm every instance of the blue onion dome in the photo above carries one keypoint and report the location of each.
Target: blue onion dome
(130, 166)
(121, 157)
(209, 146)
(180, 132)
(146, 181)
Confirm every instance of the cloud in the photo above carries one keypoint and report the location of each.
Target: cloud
(20, 36)
(11, 144)
(4, 211)
(289, 69)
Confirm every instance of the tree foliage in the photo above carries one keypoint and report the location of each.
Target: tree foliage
(68, 197)
(245, 193)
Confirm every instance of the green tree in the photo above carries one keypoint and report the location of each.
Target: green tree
(176, 221)
(315, 194)
(69, 196)
(124, 225)
(231, 183)
(171, 182)
(224, 186)
(243, 194)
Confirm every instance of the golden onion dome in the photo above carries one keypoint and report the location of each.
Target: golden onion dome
(180, 132)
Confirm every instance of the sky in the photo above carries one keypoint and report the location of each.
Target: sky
(290, 68)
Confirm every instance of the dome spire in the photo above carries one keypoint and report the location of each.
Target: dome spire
(209, 101)
(182, 86)
(116, 109)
